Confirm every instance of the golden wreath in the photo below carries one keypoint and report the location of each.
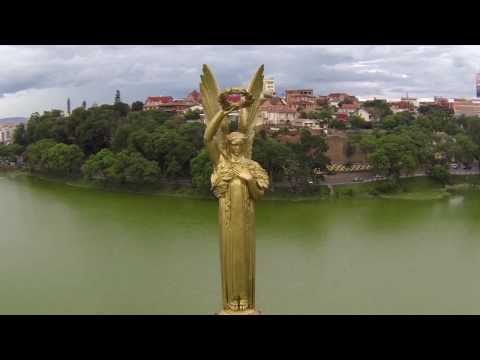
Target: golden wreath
(226, 105)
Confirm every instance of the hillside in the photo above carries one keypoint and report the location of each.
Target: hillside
(13, 120)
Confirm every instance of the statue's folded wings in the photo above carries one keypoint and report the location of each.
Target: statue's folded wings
(248, 115)
(210, 92)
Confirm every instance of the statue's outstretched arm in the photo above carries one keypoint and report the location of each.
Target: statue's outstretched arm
(213, 126)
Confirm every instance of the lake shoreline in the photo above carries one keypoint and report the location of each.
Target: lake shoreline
(419, 188)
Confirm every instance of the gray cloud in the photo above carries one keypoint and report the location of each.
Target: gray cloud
(36, 78)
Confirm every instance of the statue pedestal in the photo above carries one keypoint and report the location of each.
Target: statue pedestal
(245, 312)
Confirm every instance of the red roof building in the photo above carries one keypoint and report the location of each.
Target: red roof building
(341, 116)
(194, 97)
(153, 102)
(278, 114)
(301, 99)
(167, 103)
(337, 97)
(399, 106)
(466, 108)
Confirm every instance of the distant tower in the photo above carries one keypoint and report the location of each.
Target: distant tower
(84, 104)
(117, 97)
(478, 85)
(68, 107)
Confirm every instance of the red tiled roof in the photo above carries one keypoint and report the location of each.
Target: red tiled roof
(159, 99)
(401, 104)
(350, 106)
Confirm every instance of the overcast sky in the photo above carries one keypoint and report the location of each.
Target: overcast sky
(38, 78)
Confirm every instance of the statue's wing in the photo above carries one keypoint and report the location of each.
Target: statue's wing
(248, 116)
(210, 91)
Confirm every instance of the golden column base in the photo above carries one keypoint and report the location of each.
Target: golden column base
(244, 312)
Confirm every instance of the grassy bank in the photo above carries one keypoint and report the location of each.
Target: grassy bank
(417, 188)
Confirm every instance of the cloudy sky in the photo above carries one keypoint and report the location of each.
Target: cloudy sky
(38, 78)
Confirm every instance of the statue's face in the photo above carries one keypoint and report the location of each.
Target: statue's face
(236, 147)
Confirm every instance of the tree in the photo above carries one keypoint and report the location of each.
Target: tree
(201, 171)
(378, 108)
(403, 118)
(465, 149)
(440, 173)
(125, 167)
(11, 151)
(192, 114)
(20, 135)
(98, 165)
(394, 154)
(337, 124)
(357, 122)
(64, 160)
(121, 108)
(133, 168)
(36, 155)
(137, 106)
(271, 155)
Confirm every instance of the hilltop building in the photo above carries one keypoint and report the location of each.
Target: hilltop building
(269, 87)
(167, 103)
(6, 133)
(302, 99)
(466, 108)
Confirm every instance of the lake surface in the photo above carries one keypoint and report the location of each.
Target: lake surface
(68, 250)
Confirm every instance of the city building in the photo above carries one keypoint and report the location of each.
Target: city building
(341, 116)
(322, 100)
(364, 114)
(302, 99)
(466, 108)
(348, 109)
(153, 102)
(413, 101)
(269, 87)
(194, 97)
(478, 85)
(403, 105)
(6, 133)
(278, 115)
(167, 103)
(335, 98)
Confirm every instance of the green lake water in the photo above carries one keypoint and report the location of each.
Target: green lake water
(68, 250)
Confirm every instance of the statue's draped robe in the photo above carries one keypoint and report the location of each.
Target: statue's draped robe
(237, 229)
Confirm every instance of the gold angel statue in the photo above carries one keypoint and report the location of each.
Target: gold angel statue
(237, 181)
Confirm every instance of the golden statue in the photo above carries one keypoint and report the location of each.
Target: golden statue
(237, 181)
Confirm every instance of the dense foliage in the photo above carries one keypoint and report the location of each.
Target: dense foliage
(117, 144)
(114, 144)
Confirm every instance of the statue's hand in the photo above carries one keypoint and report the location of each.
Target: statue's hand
(243, 174)
(231, 109)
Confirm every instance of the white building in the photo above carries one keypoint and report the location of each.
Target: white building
(364, 114)
(278, 115)
(6, 133)
(269, 86)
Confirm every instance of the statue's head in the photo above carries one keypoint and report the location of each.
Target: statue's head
(236, 142)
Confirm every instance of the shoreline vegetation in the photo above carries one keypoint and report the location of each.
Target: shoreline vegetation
(126, 148)
(418, 188)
